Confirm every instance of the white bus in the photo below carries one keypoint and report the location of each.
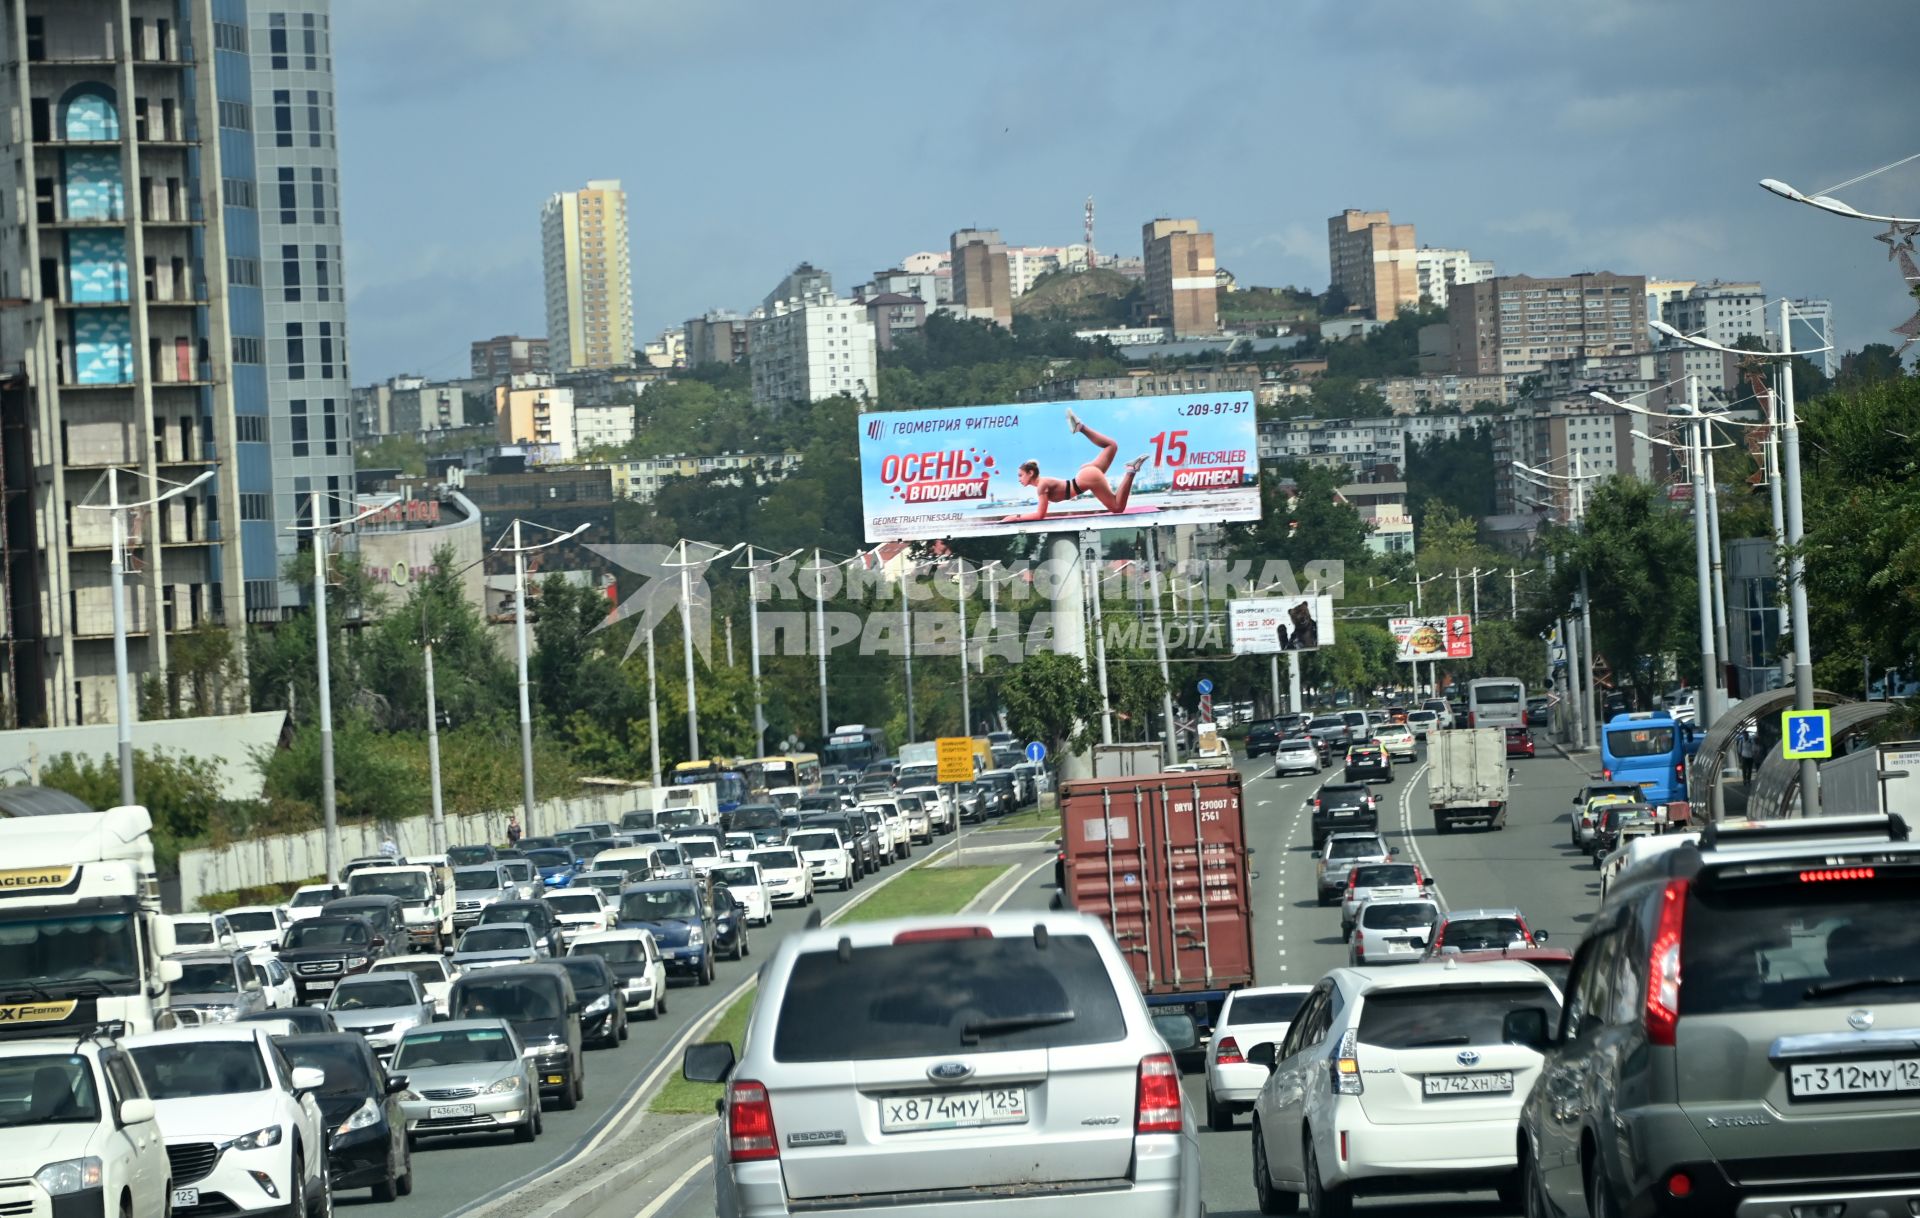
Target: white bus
(1497, 702)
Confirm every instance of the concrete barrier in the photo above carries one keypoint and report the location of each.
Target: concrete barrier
(287, 857)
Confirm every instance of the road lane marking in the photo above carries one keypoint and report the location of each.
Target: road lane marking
(1406, 829)
(659, 1203)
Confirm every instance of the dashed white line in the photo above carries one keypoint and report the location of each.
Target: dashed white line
(1406, 829)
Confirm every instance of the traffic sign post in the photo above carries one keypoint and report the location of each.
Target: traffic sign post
(1205, 686)
(1806, 735)
(955, 755)
(1036, 752)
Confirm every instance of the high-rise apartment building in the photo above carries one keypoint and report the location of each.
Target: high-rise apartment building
(1438, 270)
(116, 345)
(1662, 293)
(531, 411)
(302, 281)
(982, 286)
(813, 348)
(1724, 313)
(1515, 323)
(1374, 263)
(720, 337)
(1182, 291)
(1813, 327)
(509, 355)
(583, 235)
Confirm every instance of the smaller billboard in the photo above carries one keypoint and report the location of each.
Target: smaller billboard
(1265, 625)
(1433, 638)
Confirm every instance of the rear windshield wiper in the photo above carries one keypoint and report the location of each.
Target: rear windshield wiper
(971, 1033)
(1827, 989)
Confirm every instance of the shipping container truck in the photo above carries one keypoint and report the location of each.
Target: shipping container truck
(1127, 760)
(1163, 860)
(1467, 781)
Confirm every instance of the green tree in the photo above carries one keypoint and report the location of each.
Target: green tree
(180, 791)
(1050, 698)
(1347, 397)
(1302, 520)
(1454, 471)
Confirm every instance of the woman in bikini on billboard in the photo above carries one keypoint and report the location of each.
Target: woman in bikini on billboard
(1091, 480)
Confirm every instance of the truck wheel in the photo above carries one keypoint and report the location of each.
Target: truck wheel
(1442, 825)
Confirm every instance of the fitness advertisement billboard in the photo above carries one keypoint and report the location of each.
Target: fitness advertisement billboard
(1110, 463)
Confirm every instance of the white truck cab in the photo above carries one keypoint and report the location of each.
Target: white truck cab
(425, 891)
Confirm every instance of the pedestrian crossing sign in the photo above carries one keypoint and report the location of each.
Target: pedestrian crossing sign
(1806, 735)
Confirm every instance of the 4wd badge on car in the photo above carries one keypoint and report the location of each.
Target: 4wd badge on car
(949, 1072)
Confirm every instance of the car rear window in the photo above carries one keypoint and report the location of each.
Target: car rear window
(1640, 742)
(1400, 915)
(1479, 934)
(921, 998)
(1433, 1017)
(1264, 1008)
(1774, 947)
(1353, 848)
(1380, 875)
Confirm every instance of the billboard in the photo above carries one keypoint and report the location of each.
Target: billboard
(1265, 625)
(1433, 638)
(980, 471)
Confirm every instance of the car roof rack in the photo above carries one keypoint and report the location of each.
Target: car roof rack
(1723, 835)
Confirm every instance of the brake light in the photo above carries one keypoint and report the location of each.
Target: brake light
(937, 933)
(750, 1135)
(1836, 873)
(1679, 1184)
(1346, 1067)
(1663, 968)
(1353, 879)
(1156, 1102)
(1469, 718)
(1607, 774)
(1227, 1052)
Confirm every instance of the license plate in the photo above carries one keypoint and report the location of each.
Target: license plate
(1487, 1082)
(319, 987)
(184, 1198)
(554, 1080)
(440, 1112)
(954, 1110)
(1816, 1080)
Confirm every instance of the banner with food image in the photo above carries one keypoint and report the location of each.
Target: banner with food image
(1448, 637)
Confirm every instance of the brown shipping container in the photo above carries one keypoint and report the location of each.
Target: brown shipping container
(1180, 914)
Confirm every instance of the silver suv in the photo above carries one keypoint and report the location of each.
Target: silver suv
(929, 1063)
(1739, 1032)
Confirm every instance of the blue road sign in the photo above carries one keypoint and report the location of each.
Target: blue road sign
(1806, 734)
(1036, 752)
(1206, 686)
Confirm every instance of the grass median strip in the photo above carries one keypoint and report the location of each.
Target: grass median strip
(922, 892)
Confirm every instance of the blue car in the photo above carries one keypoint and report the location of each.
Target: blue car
(556, 866)
(691, 926)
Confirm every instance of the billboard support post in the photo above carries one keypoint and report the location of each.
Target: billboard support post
(966, 691)
(1172, 745)
(1293, 682)
(1273, 678)
(1090, 548)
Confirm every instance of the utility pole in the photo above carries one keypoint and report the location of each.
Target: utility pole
(906, 648)
(653, 709)
(966, 693)
(1160, 650)
(1090, 550)
(438, 836)
(1702, 564)
(820, 640)
(1796, 561)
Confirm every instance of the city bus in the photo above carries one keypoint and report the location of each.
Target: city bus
(729, 784)
(1497, 702)
(782, 770)
(1648, 748)
(855, 745)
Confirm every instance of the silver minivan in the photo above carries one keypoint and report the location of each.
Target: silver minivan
(921, 1065)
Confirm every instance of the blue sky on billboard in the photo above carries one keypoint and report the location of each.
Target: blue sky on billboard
(1626, 136)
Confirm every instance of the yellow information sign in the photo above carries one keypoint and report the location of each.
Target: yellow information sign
(956, 758)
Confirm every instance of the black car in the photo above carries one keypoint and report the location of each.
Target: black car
(1002, 785)
(537, 914)
(1263, 738)
(307, 1020)
(538, 1000)
(385, 916)
(822, 801)
(1538, 712)
(360, 1103)
(1341, 807)
(976, 801)
(730, 934)
(1367, 763)
(319, 951)
(603, 1015)
(761, 820)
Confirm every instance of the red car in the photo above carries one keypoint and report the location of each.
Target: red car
(1519, 742)
(1555, 962)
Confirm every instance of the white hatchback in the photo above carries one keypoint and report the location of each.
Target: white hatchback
(582, 910)
(240, 1127)
(784, 875)
(1397, 740)
(1397, 1079)
(1248, 1019)
(635, 960)
(82, 1134)
(749, 887)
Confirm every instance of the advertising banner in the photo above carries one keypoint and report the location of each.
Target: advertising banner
(1265, 625)
(1433, 638)
(1111, 463)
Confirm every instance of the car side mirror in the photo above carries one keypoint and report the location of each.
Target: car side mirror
(169, 972)
(379, 943)
(306, 1078)
(709, 1062)
(1177, 1029)
(1263, 1054)
(1432, 880)
(136, 1111)
(1539, 936)
(575, 1007)
(396, 1083)
(1526, 1027)
(1393, 852)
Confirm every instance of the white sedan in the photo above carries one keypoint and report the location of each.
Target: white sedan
(582, 911)
(1249, 1018)
(749, 886)
(784, 874)
(737, 846)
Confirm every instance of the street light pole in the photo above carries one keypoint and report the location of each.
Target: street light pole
(686, 565)
(653, 709)
(1095, 573)
(753, 660)
(966, 692)
(820, 640)
(906, 647)
(1796, 560)
(438, 825)
(1172, 746)
(1702, 562)
(520, 552)
(328, 805)
(1717, 560)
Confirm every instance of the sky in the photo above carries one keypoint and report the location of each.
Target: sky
(1622, 135)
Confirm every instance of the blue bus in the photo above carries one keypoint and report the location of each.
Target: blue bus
(730, 785)
(1648, 748)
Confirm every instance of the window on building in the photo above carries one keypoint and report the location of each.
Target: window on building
(250, 428)
(296, 352)
(289, 197)
(290, 272)
(318, 184)
(237, 192)
(326, 351)
(314, 125)
(243, 272)
(283, 118)
(229, 37)
(255, 506)
(297, 409)
(310, 42)
(36, 38)
(246, 350)
(277, 39)
(329, 423)
(234, 117)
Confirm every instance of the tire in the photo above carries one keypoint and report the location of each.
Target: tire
(623, 1028)
(525, 1132)
(846, 883)
(1271, 1199)
(413, 1141)
(1600, 1199)
(746, 948)
(660, 1003)
(1346, 932)
(706, 970)
(404, 1185)
(386, 1190)
(1322, 1201)
(579, 1085)
(1534, 1198)
(1219, 1116)
(1513, 1192)
(567, 1099)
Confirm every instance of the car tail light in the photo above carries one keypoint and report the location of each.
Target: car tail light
(1680, 1184)
(936, 933)
(1156, 1103)
(750, 1135)
(1346, 1067)
(1607, 774)
(1359, 941)
(1227, 1052)
(1353, 879)
(1469, 718)
(1663, 967)
(1836, 873)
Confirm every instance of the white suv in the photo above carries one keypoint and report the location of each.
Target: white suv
(938, 806)
(1397, 1080)
(78, 1125)
(827, 857)
(784, 875)
(1008, 1056)
(243, 1131)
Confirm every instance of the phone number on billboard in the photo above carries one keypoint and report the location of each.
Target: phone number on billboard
(1212, 408)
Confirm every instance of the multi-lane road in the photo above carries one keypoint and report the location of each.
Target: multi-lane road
(1528, 865)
